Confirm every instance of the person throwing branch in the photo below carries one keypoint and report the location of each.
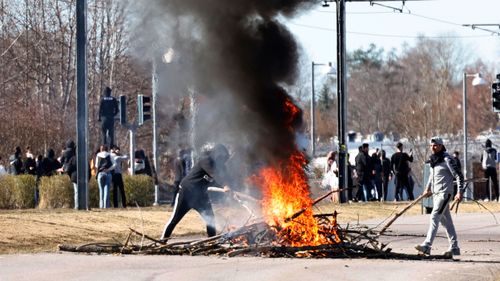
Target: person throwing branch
(209, 171)
(444, 170)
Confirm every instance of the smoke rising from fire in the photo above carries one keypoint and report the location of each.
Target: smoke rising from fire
(238, 59)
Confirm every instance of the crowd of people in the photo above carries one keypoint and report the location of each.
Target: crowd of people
(371, 174)
(105, 166)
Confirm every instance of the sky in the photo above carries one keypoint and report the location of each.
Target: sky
(365, 24)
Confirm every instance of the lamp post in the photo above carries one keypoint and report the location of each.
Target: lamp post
(477, 81)
(166, 58)
(331, 70)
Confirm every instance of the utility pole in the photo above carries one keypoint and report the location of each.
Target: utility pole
(341, 94)
(81, 105)
(342, 80)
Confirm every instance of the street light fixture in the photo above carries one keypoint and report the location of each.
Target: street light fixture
(477, 81)
(330, 71)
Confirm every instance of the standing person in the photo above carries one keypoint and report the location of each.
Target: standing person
(489, 165)
(364, 172)
(377, 175)
(104, 166)
(443, 172)
(16, 163)
(68, 163)
(330, 178)
(456, 157)
(209, 171)
(30, 163)
(49, 164)
(386, 173)
(108, 108)
(400, 163)
(116, 176)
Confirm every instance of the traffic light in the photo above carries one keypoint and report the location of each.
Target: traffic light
(144, 108)
(495, 96)
(123, 110)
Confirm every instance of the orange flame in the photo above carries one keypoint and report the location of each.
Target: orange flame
(286, 192)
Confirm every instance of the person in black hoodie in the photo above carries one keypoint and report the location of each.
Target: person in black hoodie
(49, 165)
(386, 173)
(209, 171)
(108, 108)
(16, 163)
(68, 163)
(364, 171)
(400, 163)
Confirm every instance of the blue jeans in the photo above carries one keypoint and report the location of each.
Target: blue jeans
(104, 181)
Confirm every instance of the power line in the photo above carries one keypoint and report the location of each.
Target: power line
(387, 35)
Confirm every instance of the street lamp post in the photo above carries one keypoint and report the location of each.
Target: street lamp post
(478, 80)
(331, 70)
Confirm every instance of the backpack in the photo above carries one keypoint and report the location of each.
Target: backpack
(104, 163)
(489, 158)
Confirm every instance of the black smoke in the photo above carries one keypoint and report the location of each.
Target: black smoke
(239, 58)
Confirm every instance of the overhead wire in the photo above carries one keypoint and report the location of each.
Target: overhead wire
(407, 12)
(388, 35)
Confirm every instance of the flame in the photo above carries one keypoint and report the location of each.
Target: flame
(286, 194)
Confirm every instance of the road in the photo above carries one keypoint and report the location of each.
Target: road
(479, 237)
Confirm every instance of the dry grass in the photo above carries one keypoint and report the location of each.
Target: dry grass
(41, 230)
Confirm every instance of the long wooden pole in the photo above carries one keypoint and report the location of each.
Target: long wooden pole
(398, 214)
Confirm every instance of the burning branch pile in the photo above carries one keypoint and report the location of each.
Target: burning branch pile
(263, 240)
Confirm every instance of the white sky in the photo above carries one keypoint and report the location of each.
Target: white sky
(367, 24)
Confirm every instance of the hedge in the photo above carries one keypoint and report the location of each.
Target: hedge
(57, 191)
(17, 192)
(140, 189)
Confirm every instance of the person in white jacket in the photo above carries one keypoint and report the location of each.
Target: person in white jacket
(116, 176)
(330, 178)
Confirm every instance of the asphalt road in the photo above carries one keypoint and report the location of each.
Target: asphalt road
(479, 237)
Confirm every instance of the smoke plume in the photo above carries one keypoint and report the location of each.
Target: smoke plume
(238, 59)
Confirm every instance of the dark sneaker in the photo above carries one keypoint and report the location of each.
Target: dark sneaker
(423, 250)
(452, 252)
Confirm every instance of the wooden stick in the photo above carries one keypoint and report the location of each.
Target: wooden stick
(145, 236)
(314, 203)
(398, 214)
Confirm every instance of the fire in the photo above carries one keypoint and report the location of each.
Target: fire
(286, 192)
(286, 204)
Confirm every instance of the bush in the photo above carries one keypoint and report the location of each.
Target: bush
(140, 189)
(93, 193)
(24, 191)
(56, 192)
(7, 183)
(17, 191)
